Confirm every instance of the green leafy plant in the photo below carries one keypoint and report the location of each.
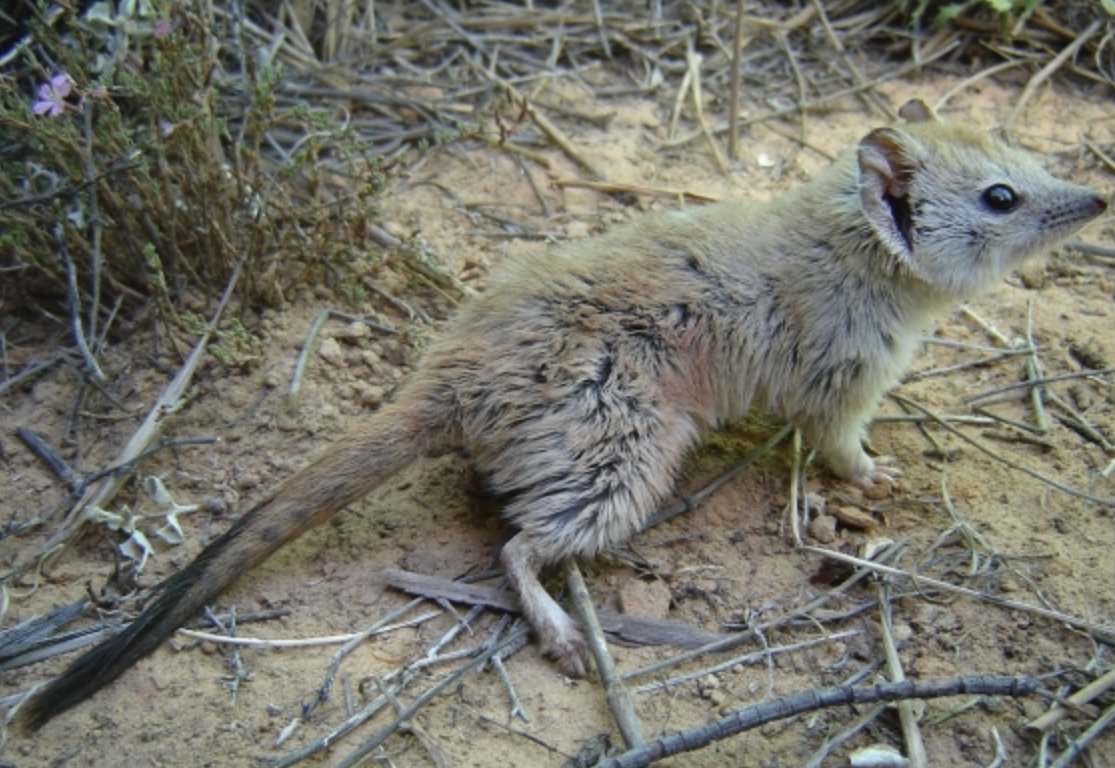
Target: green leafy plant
(943, 14)
(141, 166)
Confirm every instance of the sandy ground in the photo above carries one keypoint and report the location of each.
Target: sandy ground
(729, 562)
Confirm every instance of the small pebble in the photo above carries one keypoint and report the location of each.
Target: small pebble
(823, 529)
(877, 756)
(330, 352)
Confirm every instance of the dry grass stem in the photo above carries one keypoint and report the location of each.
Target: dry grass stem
(1081, 743)
(1050, 481)
(1047, 71)
(1102, 632)
(1062, 709)
(755, 657)
(369, 746)
(308, 642)
(167, 402)
(911, 733)
(682, 195)
(806, 612)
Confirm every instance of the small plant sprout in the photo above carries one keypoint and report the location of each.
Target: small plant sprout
(171, 533)
(137, 547)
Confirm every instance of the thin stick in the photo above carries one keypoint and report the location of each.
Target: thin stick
(1101, 631)
(380, 626)
(94, 216)
(59, 466)
(868, 97)
(558, 137)
(1059, 711)
(611, 187)
(857, 725)
(981, 362)
(1034, 373)
(921, 418)
(517, 709)
(1047, 71)
(745, 719)
(1102, 501)
(299, 371)
(523, 169)
(1081, 742)
(619, 700)
(370, 710)
(754, 657)
(967, 82)
(28, 371)
(693, 61)
(1104, 158)
(1097, 252)
(824, 101)
(365, 749)
(307, 642)
(911, 734)
(987, 327)
(679, 101)
(693, 500)
(1038, 381)
(733, 94)
(553, 133)
(75, 312)
(601, 29)
(734, 641)
(167, 403)
(795, 485)
(1075, 421)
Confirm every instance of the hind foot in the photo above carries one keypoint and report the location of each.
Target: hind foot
(558, 635)
(565, 644)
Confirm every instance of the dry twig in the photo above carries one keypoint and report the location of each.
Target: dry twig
(756, 715)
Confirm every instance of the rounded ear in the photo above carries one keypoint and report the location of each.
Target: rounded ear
(887, 165)
(917, 111)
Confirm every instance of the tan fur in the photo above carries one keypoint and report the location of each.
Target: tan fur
(579, 380)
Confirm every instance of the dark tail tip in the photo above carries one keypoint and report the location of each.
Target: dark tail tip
(105, 662)
(32, 714)
(82, 678)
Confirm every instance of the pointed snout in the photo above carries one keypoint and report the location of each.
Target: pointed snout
(1099, 205)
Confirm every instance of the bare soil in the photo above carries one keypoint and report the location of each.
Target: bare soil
(730, 561)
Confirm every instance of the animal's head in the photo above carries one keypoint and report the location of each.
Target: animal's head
(959, 208)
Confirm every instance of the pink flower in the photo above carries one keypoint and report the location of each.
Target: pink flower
(52, 95)
(162, 29)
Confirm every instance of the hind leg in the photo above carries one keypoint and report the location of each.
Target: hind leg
(557, 633)
(583, 493)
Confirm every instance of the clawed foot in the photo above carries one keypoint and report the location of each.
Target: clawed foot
(558, 635)
(567, 647)
(880, 472)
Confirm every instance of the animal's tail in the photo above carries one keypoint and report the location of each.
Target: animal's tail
(349, 468)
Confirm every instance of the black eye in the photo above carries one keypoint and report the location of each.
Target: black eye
(1000, 198)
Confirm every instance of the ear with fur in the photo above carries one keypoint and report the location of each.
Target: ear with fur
(887, 164)
(917, 111)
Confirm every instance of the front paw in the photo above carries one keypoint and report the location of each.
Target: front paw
(876, 474)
